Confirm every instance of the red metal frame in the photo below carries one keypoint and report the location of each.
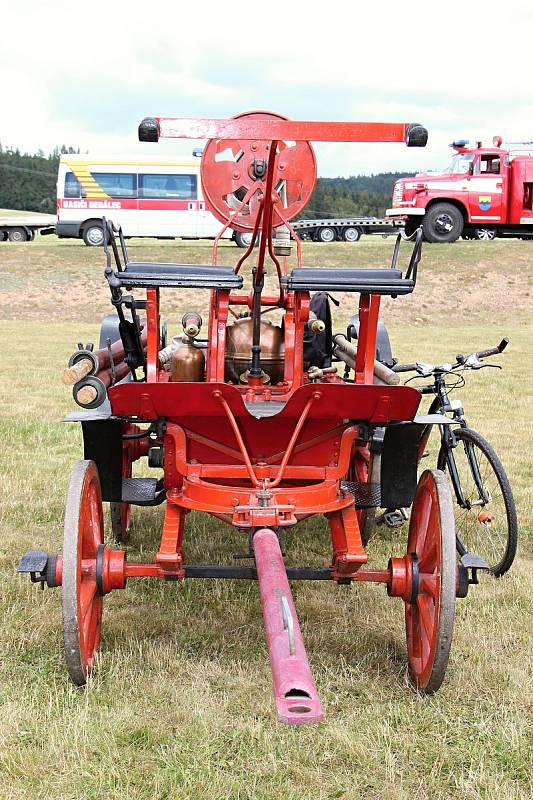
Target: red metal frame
(218, 457)
(256, 456)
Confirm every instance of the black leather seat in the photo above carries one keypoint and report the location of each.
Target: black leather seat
(188, 276)
(365, 281)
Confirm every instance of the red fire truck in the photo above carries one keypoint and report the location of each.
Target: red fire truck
(483, 193)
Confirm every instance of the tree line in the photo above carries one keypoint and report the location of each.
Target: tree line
(28, 182)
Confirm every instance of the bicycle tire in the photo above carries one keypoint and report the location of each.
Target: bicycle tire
(496, 539)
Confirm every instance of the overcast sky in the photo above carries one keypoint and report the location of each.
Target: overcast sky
(86, 74)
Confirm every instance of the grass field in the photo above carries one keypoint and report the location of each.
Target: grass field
(181, 705)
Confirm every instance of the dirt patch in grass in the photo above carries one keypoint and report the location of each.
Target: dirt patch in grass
(62, 280)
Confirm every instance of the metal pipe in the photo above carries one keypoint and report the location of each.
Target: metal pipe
(346, 351)
(295, 692)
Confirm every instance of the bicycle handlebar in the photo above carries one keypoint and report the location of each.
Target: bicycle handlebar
(493, 351)
(405, 368)
(468, 362)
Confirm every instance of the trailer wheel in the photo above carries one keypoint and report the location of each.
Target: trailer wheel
(326, 235)
(484, 234)
(81, 600)
(18, 235)
(351, 234)
(443, 223)
(93, 235)
(3, 236)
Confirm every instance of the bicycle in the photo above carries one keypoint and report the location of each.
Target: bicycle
(487, 524)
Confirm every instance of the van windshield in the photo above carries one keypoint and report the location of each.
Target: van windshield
(459, 164)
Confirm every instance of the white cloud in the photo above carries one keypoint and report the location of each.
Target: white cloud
(86, 75)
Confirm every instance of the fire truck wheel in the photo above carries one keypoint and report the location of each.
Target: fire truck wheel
(17, 235)
(93, 234)
(326, 235)
(484, 234)
(443, 223)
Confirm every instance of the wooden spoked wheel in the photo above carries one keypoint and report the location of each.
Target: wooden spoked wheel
(429, 619)
(121, 512)
(81, 600)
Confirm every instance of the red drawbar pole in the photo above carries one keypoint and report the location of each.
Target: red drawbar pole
(246, 127)
(295, 692)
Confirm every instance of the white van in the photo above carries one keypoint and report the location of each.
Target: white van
(158, 197)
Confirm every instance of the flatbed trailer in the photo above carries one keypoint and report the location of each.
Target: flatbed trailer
(348, 229)
(22, 227)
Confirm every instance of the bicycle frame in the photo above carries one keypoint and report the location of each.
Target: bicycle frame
(441, 404)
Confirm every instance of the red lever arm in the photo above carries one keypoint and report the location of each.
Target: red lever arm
(246, 127)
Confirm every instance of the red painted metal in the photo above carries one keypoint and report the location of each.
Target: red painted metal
(422, 617)
(295, 692)
(264, 457)
(89, 536)
(366, 345)
(231, 186)
(153, 342)
(251, 126)
(494, 199)
(181, 402)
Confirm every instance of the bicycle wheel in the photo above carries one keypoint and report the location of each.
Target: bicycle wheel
(486, 522)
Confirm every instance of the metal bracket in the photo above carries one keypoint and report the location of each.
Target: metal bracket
(468, 569)
(288, 624)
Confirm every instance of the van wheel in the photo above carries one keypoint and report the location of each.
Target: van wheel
(17, 235)
(443, 223)
(243, 238)
(93, 235)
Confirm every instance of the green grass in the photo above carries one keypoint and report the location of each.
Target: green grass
(181, 704)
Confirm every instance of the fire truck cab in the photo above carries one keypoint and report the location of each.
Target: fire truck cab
(484, 192)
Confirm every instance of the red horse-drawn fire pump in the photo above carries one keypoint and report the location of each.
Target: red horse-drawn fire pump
(254, 425)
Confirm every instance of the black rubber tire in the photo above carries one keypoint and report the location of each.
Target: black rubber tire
(119, 526)
(90, 236)
(367, 524)
(443, 223)
(411, 226)
(496, 545)
(18, 235)
(351, 234)
(326, 235)
(243, 239)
